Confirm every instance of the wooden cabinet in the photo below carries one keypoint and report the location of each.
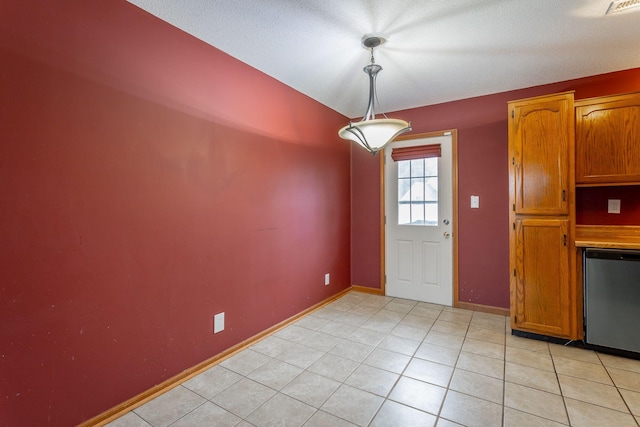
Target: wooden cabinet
(542, 297)
(542, 211)
(608, 140)
(541, 133)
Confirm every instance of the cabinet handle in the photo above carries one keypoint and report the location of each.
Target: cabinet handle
(564, 195)
(564, 240)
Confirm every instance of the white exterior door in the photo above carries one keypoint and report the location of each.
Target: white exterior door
(419, 223)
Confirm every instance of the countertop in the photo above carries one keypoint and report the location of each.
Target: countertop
(608, 236)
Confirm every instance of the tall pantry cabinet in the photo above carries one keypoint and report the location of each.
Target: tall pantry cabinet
(542, 257)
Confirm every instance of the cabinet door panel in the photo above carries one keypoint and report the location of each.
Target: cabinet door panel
(541, 135)
(608, 140)
(541, 282)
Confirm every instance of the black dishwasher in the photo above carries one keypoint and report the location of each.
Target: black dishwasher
(612, 298)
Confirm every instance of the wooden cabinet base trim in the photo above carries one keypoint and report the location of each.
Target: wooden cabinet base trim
(546, 338)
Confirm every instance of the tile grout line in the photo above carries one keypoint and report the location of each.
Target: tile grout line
(386, 398)
(564, 400)
(616, 387)
(446, 393)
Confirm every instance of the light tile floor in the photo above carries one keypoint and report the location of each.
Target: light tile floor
(369, 360)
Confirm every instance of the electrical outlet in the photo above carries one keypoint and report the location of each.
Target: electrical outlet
(613, 206)
(218, 323)
(326, 279)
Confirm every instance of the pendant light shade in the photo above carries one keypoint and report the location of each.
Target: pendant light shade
(371, 133)
(374, 134)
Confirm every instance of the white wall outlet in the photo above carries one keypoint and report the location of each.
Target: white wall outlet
(327, 280)
(218, 323)
(613, 206)
(475, 202)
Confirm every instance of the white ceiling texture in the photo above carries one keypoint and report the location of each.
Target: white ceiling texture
(436, 50)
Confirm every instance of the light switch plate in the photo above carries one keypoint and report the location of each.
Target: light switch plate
(475, 202)
(218, 323)
(613, 206)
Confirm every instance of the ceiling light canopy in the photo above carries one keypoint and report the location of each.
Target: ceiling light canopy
(371, 133)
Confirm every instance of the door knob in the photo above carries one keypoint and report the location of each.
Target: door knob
(446, 234)
(445, 221)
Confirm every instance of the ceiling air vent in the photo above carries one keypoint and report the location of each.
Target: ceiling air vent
(620, 5)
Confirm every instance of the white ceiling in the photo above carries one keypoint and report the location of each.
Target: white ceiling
(437, 50)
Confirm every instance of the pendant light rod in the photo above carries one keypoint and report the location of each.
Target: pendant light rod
(372, 70)
(371, 42)
(371, 133)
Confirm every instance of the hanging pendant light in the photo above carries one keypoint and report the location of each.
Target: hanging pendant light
(371, 133)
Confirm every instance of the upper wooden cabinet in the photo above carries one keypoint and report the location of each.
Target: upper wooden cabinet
(608, 140)
(540, 142)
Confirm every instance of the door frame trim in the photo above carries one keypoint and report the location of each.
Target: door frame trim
(454, 199)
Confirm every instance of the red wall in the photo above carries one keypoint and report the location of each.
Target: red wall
(135, 203)
(483, 234)
(592, 204)
(365, 222)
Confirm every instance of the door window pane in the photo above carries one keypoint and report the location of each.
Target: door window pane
(417, 213)
(417, 167)
(431, 189)
(404, 169)
(418, 192)
(431, 167)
